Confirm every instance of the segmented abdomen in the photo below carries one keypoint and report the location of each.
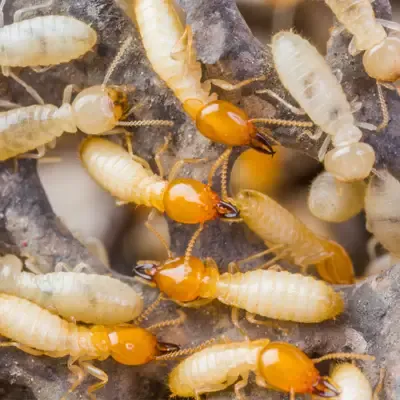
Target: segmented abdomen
(280, 295)
(27, 323)
(47, 40)
(276, 225)
(161, 30)
(95, 299)
(215, 365)
(115, 171)
(308, 78)
(27, 128)
(358, 17)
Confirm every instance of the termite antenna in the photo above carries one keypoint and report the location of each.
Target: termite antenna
(224, 179)
(184, 352)
(384, 109)
(117, 59)
(151, 122)
(344, 356)
(221, 159)
(157, 234)
(379, 174)
(171, 322)
(145, 314)
(283, 122)
(191, 244)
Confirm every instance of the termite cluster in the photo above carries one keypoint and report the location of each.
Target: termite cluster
(91, 317)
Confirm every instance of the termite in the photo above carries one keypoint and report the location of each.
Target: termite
(36, 331)
(308, 78)
(164, 39)
(335, 201)
(286, 235)
(41, 41)
(382, 52)
(382, 209)
(277, 365)
(274, 294)
(90, 298)
(95, 111)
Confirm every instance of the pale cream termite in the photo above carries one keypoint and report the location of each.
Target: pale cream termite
(279, 295)
(277, 365)
(308, 78)
(90, 298)
(184, 200)
(382, 52)
(334, 201)
(36, 331)
(41, 41)
(96, 110)
(382, 209)
(291, 239)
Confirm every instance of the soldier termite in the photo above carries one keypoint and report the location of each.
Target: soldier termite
(41, 41)
(164, 39)
(308, 78)
(96, 110)
(91, 298)
(382, 209)
(279, 295)
(36, 331)
(277, 366)
(335, 201)
(291, 239)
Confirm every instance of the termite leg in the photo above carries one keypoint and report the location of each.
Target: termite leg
(89, 368)
(19, 13)
(379, 386)
(41, 70)
(194, 304)
(180, 163)
(23, 348)
(384, 109)
(241, 385)
(338, 74)
(8, 104)
(353, 51)
(314, 136)
(337, 30)
(7, 72)
(157, 234)
(292, 108)
(366, 125)
(261, 382)
(76, 371)
(180, 46)
(67, 95)
(269, 264)
(221, 83)
(159, 153)
(2, 4)
(169, 322)
(355, 105)
(259, 255)
(272, 324)
(389, 24)
(62, 266)
(82, 267)
(292, 394)
(41, 151)
(324, 148)
(32, 265)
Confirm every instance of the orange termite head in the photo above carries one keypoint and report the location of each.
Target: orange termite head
(129, 344)
(178, 280)
(223, 122)
(286, 368)
(191, 202)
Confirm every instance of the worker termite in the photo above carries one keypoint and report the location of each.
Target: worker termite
(41, 41)
(36, 331)
(335, 201)
(308, 78)
(382, 209)
(96, 110)
(164, 40)
(274, 294)
(91, 298)
(277, 365)
(291, 239)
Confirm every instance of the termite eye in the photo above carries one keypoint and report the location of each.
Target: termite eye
(190, 202)
(178, 280)
(132, 345)
(350, 163)
(223, 122)
(95, 111)
(382, 62)
(287, 368)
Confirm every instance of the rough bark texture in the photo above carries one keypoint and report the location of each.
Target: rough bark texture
(29, 226)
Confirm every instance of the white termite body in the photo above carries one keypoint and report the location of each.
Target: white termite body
(161, 30)
(352, 382)
(382, 209)
(44, 41)
(308, 78)
(90, 298)
(215, 368)
(280, 295)
(334, 201)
